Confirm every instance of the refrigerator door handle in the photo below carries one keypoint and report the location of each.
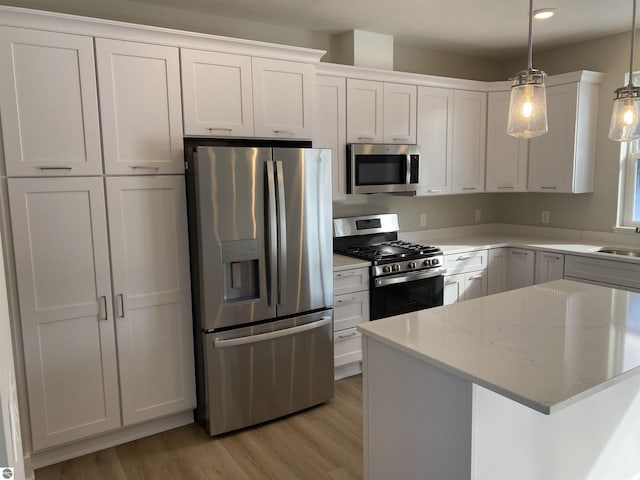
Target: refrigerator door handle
(272, 235)
(261, 337)
(282, 234)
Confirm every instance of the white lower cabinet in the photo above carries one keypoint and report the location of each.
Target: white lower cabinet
(549, 266)
(73, 354)
(613, 273)
(466, 276)
(520, 268)
(350, 307)
(497, 270)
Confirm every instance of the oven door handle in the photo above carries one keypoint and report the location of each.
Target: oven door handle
(409, 277)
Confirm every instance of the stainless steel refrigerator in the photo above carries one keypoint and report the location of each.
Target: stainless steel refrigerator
(262, 281)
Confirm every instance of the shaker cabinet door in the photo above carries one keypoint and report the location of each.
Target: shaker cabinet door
(216, 93)
(469, 140)
(152, 299)
(62, 266)
(282, 98)
(365, 100)
(49, 103)
(140, 107)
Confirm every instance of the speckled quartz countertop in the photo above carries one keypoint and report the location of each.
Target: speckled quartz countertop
(545, 346)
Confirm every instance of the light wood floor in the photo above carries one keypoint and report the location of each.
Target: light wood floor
(324, 442)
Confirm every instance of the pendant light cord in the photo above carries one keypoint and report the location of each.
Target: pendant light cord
(530, 58)
(633, 44)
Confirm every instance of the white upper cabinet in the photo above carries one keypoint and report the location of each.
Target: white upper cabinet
(469, 140)
(364, 111)
(140, 107)
(330, 127)
(216, 93)
(434, 136)
(506, 155)
(282, 98)
(49, 103)
(562, 160)
(62, 267)
(151, 291)
(380, 112)
(399, 113)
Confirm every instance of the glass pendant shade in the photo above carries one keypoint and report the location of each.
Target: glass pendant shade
(624, 119)
(527, 111)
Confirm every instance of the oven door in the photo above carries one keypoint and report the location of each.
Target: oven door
(406, 292)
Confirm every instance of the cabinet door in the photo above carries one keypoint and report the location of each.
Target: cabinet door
(399, 113)
(151, 295)
(551, 155)
(330, 128)
(497, 271)
(364, 111)
(520, 268)
(49, 103)
(434, 136)
(282, 98)
(350, 309)
(62, 266)
(506, 155)
(216, 93)
(549, 266)
(453, 289)
(475, 285)
(469, 140)
(140, 107)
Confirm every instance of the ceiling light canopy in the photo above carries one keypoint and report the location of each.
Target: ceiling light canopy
(625, 126)
(528, 103)
(544, 13)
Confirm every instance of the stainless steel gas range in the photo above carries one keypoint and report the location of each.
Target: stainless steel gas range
(404, 276)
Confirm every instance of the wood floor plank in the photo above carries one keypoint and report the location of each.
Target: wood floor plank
(323, 442)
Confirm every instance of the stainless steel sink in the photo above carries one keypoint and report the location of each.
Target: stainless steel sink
(626, 252)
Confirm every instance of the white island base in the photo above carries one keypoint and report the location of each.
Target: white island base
(422, 422)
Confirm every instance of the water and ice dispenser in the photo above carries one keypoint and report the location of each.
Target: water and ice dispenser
(240, 267)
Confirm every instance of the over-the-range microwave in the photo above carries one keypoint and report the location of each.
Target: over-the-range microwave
(382, 168)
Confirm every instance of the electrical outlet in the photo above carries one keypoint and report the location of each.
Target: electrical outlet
(423, 219)
(545, 216)
(478, 214)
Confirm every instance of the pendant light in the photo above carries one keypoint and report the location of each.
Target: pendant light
(528, 103)
(626, 107)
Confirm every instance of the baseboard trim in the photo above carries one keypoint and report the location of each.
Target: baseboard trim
(118, 437)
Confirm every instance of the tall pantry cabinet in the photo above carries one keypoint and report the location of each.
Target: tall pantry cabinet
(101, 260)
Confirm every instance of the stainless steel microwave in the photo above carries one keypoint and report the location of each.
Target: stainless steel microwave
(382, 168)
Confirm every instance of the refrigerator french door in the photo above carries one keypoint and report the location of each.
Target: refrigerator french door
(261, 246)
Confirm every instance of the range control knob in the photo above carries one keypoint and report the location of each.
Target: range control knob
(427, 262)
(386, 269)
(435, 261)
(412, 265)
(395, 267)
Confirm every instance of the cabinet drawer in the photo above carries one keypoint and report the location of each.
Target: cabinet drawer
(352, 280)
(350, 309)
(465, 262)
(624, 274)
(347, 347)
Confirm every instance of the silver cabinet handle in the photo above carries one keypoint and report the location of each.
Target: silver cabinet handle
(551, 257)
(451, 282)
(520, 253)
(398, 139)
(220, 129)
(505, 187)
(346, 274)
(549, 187)
(102, 308)
(120, 305)
(145, 166)
(365, 138)
(53, 167)
(435, 190)
(464, 257)
(349, 335)
(261, 337)
(476, 277)
(288, 132)
(468, 188)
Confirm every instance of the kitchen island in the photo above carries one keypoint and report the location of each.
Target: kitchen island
(537, 383)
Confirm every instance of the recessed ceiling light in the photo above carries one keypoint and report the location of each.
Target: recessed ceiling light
(543, 13)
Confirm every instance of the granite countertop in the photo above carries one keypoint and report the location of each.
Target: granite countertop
(545, 346)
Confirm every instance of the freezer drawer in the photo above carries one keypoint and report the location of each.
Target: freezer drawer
(259, 373)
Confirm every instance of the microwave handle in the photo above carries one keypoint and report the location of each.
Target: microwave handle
(408, 170)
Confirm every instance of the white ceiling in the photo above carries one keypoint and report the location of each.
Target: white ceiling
(486, 28)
